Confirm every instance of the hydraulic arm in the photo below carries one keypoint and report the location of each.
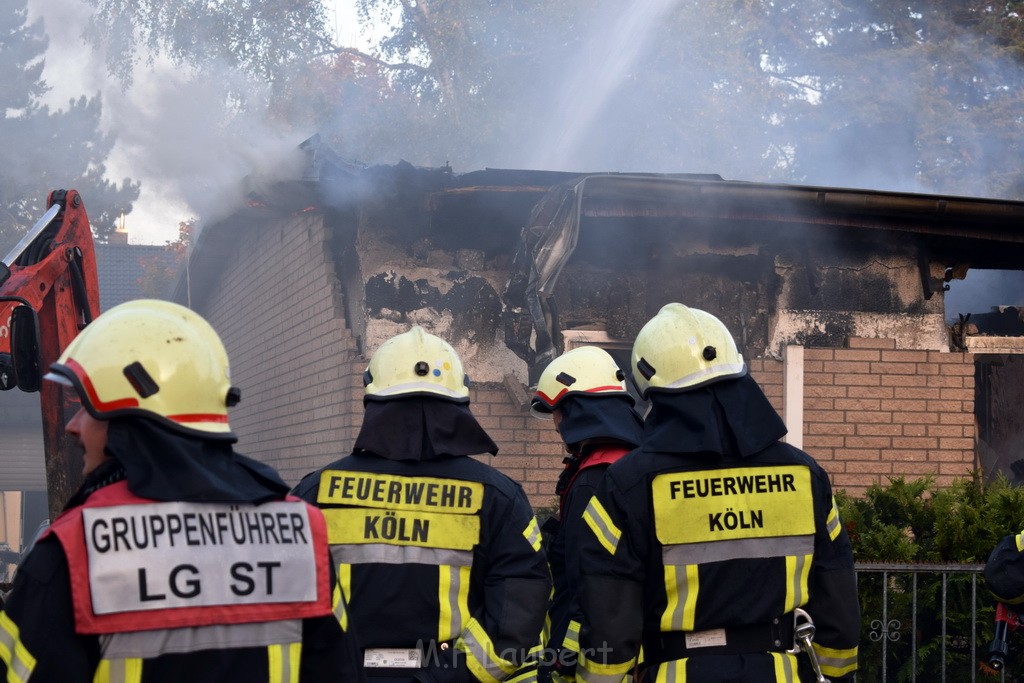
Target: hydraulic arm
(48, 293)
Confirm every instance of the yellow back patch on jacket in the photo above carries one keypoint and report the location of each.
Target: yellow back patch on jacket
(428, 512)
(742, 502)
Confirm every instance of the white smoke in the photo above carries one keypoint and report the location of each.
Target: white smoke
(189, 146)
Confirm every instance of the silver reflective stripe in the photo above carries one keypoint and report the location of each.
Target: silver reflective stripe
(452, 606)
(532, 534)
(683, 591)
(720, 551)
(839, 663)
(21, 671)
(832, 525)
(363, 553)
(787, 668)
(116, 670)
(595, 517)
(150, 644)
(798, 596)
(286, 665)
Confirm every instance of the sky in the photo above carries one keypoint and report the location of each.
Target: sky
(181, 165)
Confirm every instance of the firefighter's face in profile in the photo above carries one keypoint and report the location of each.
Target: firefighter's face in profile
(91, 435)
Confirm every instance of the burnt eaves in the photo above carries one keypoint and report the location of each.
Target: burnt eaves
(667, 196)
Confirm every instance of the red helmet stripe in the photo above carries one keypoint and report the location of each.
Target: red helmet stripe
(199, 417)
(563, 392)
(90, 391)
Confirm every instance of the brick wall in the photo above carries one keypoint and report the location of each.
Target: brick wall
(530, 449)
(768, 374)
(277, 307)
(872, 412)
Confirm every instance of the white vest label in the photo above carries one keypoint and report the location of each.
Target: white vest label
(169, 555)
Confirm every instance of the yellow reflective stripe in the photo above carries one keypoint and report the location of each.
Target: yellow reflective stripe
(601, 525)
(128, 670)
(283, 662)
(836, 662)
(481, 657)
(532, 534)
(595, 672)
(339, 608)
(672, 672)
(16, 658)
(339, 597)
(785, 667)
(572, 637)
(672, 617)
(690, 600)
(681, 609)
(453, 600)
(798, 569)
(832, 524)
(1020, 542)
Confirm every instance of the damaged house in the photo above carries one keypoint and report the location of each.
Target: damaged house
(835, 296)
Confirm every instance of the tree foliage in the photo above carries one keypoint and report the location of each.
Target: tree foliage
(259, 37)
(45, 150)
(160, 273)
(913, 96)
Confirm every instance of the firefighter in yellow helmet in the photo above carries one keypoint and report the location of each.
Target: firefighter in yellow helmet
(439, 554)
(177, 559)
(705, 542)
(583, 392)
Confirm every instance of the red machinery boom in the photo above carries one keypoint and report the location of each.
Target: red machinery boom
(48, 293)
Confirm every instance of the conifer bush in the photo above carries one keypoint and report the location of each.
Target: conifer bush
(917, 522)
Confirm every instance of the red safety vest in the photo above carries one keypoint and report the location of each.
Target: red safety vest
(137, 564)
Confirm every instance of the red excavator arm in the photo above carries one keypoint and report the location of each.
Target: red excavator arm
(48, 293)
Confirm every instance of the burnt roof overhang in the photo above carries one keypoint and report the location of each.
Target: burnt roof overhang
(978, 231)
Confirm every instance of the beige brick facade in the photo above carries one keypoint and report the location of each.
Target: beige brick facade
(872, 412)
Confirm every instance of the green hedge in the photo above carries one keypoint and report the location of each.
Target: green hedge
(918, 522)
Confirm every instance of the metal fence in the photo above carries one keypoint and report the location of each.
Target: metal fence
(924, 622)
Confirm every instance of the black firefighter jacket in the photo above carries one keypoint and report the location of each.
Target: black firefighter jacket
(1004, 570)
(703, 542)
(40, 628)
(440, 555)
(561, 653)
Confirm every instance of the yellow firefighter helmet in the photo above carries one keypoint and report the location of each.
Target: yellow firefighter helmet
(416, 363)
(585, 370)
(151, 359)
(683, 348)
